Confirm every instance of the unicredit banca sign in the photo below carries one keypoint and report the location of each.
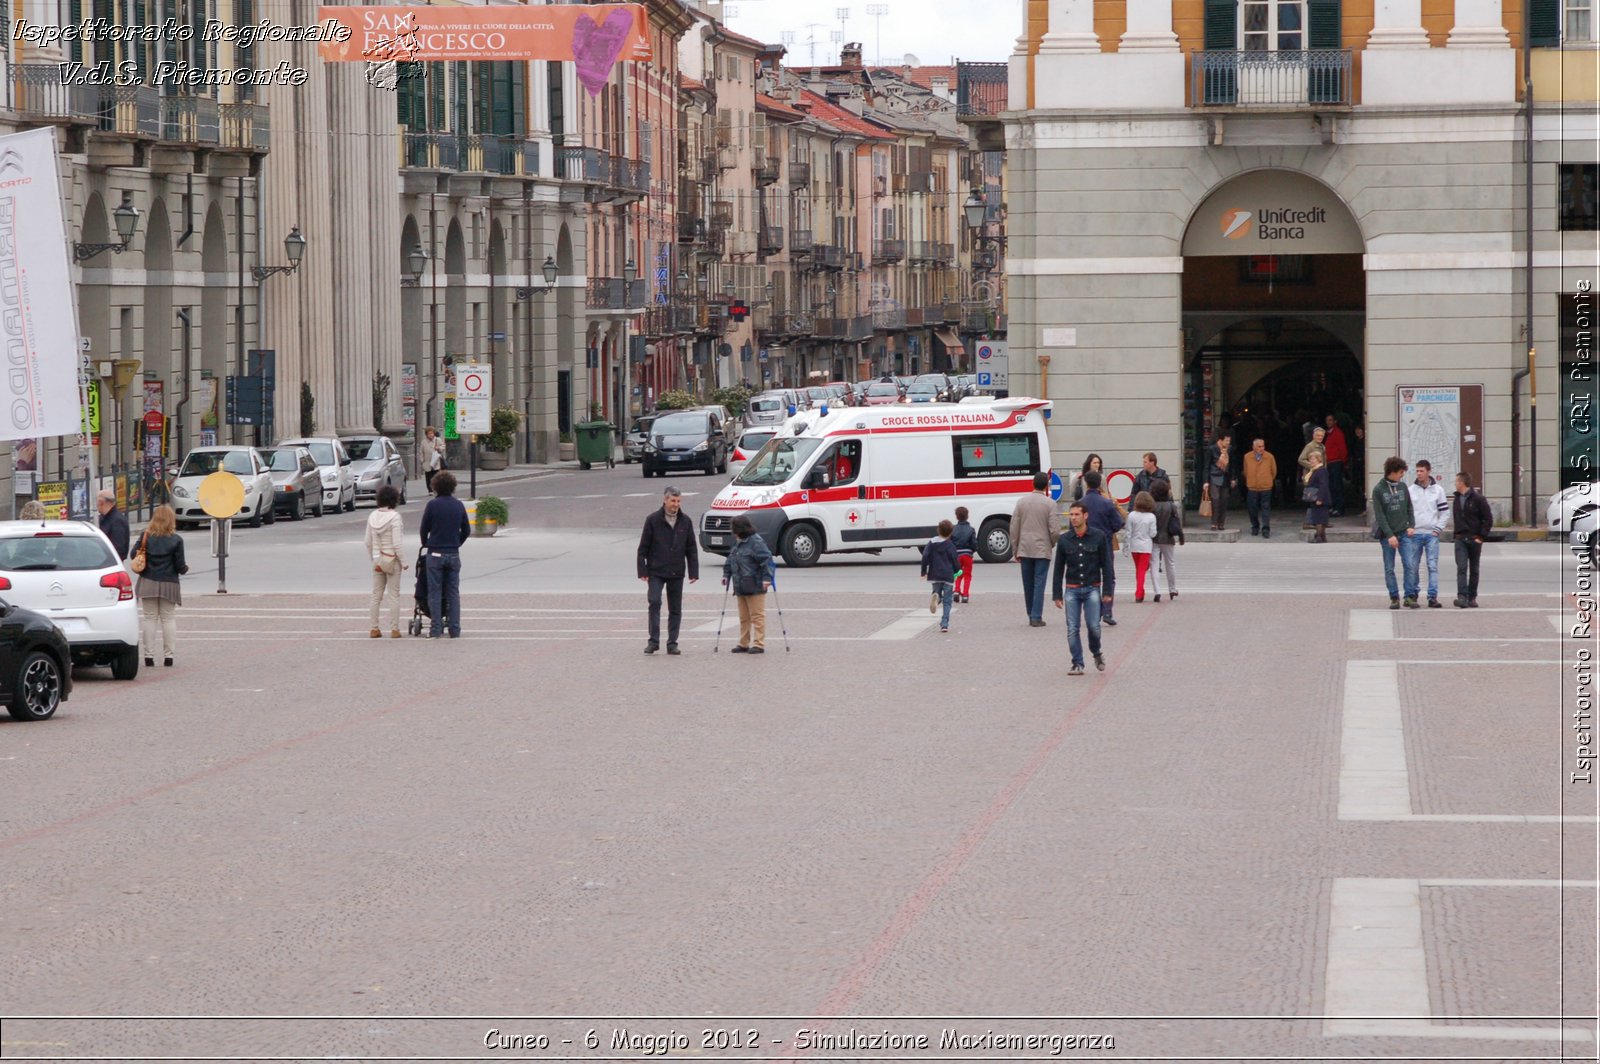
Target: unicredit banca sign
(1272, 211)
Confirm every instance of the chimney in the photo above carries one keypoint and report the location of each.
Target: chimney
(850, 56)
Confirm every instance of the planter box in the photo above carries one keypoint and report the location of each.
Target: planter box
(485, 528)
(493, 459)
(569, 451)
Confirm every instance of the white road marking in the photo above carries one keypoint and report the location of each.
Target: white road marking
(1377, 975)
(910, 626)
(1367, 625)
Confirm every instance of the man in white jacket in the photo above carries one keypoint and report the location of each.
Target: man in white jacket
(1431, 508)
(383, 543)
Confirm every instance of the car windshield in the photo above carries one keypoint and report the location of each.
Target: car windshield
(777, 461)
(51, 552)
(204, 463)
(681, 425)
(922, 388)
(322, 453)
(359, 449)
(883, 389)
(818, 393)
(284, 460)
(766, 404)
(754, 441)
(642, 425)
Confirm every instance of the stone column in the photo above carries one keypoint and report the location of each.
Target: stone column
(384, 241)
(1149, 27)
(1071, 27)
(1397, 24)
(1479, 24)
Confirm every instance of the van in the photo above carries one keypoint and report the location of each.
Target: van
(859, 479)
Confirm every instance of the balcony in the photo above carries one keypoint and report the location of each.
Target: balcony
(430, 151)
(889, 319)
(691, 230)
(727, 157)
(799, 173)
(589, 165)
(981, 88)
(769, 241)
(1316, 77)
(830, 328)
(828, 257)
(887, 251)
(859, 328)
(191, 120)
(722, 214)
(741, 242)
(916, 317)
(40, 96)
(950, 312)
(976, 317)
(245, 127)
(614, 293)
(799, 242)
(130, 111)
(637, 177)
(767, 170)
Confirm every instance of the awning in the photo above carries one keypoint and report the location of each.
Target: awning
(952, 343)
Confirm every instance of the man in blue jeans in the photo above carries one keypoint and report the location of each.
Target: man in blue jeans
(1034, 528)
(1394, 524)
(1430, 507)
(1083, 557)
(444, 529)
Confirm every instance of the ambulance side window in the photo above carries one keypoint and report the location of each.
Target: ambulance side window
(839, 465)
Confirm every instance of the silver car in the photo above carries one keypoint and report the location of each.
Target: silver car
(375, 463)
(633, 442)
(768, 408)
(296, 481)
(244, 463)
(338, 486)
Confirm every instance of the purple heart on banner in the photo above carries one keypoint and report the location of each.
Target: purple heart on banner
(595, 47)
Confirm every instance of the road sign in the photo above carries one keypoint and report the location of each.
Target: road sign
(474, 388)
(221, 494)
(1119, 492)
(497, 337)
(994, 362)
(1055, 486)
(985, 379)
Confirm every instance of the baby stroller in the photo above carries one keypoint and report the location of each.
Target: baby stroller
(419, 613)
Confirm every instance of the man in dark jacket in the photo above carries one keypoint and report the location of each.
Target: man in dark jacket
(112, 522)
(1151, 473)
(444, 529)
(1083, 564)
(1473, 519)
(666, 550)
(1395, 523)
(1104, 516)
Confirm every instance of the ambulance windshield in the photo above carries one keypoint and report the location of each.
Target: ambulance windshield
(778, 460)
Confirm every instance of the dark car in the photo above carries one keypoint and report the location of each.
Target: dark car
(296, 481)
(686, 439)
(34, 677)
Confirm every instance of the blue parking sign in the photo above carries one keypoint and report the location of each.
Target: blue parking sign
(1055, 487)
(985, 379)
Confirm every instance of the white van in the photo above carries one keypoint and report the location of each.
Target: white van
(854, 479)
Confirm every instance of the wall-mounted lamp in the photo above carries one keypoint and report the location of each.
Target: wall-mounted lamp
(550, 273)
(416, 262)
(294, 247)
(126, 217)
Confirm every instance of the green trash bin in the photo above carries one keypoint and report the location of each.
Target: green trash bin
(594, 444)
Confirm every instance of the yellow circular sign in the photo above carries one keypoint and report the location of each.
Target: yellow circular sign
(221, 494)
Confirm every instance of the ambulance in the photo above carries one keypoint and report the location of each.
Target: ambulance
(840, 480)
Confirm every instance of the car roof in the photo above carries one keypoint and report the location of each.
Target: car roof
(62, 526)
(214, 448)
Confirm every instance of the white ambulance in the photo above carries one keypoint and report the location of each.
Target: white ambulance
(850, 479)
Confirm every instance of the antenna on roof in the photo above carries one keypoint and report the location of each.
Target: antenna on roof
(876, 12)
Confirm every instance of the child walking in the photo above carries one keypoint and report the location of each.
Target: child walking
(1141, 540)
(1169, 532)
(746, 574)
(939, 565)
(966, 541)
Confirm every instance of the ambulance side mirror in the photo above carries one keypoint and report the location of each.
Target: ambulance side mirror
(817, 478)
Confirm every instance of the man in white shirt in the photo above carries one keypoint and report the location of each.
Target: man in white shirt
(1431, 507)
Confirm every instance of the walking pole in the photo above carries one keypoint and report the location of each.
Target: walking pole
(772, 574)
(718, 644)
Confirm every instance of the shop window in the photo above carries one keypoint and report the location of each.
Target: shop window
(1576, 194)
(1580, 431)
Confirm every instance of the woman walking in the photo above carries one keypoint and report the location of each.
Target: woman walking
(1142, 541)
(1219, 478)
(747, 575)
(432, 455)
(1169, 531)
(1317, 496)
(966, 541)
(158, 592)
(1094, 463)
(384, 531)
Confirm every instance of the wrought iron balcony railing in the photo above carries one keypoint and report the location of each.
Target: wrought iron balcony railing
(245, 127)
(767, 169)
(981, 88)
(887, 251)
(770, 239)
(194, 120)
(39, 94)
(799, 173)
(1306, 78)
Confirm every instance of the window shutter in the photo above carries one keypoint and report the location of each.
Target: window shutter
(1544, 23)
(1322, 24)
(75, 46)
(518, 90)
(1222, 25)
(436, 119)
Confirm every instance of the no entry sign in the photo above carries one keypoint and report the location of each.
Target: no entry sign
(474, 385)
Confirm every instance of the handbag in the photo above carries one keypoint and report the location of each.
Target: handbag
(1205, 500)
(139, 560)
(1309, 496)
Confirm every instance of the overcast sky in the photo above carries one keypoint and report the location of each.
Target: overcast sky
(935, 31)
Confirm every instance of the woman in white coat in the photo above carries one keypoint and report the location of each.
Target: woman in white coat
(384, 532)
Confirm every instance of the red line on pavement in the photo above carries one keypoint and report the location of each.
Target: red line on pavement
(914, 908)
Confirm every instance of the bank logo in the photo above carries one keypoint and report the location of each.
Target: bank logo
(1236, 224)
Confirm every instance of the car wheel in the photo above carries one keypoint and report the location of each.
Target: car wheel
(38, 688)
(994, 541)
(298, 511)
(125, 666)
(350, 507)
(255, 521)
(801, 545)
(270, 516)
(645, 470)
(722, 467)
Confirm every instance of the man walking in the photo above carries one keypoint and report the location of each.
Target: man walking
(1104, 515)
(1034, 529)
(1083, 557)
(666, 551)
(1147, 477)
(444, 529)
(1396, 524)
(112, 521)
(1430, 509)
(1473, 519)
(1337, 454)
(1260, 473)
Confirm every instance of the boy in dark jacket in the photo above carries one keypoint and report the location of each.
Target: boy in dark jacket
(939, 565)
(966, 543)
(745, 573)
(1473, 519)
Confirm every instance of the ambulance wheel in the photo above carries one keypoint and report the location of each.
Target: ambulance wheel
(801, 546)
(994, 541)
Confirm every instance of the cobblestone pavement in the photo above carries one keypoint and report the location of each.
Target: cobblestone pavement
(1277, 826)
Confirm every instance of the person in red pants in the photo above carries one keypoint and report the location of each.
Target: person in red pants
(966, 543)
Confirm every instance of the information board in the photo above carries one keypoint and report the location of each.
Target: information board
(474, 390)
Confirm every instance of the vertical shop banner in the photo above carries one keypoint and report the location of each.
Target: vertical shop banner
(53, 497)
(90, 425)
(38, 322)
(408, 397)
(206, 399)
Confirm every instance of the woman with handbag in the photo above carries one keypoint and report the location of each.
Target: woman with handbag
(1095, 463)
(383, 537)
(432, 455)
(1219, 478)
(1318, 497)
(158, 560)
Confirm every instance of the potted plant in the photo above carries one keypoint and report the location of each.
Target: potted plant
(569, 447)
(503, 424)
(490, 512)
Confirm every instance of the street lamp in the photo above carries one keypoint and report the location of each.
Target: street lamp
(630, 271)
(294, 247)
(729, 289)
(769, 290)
(550, 271)
(416, 262)
(126, 218)
(976, 209)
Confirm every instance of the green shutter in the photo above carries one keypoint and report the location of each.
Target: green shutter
(75, 18)
(1323, 32)
(500, 100)
(518, 91)
(1222, 25)
(141, 54)
(436, 120)
(1544, 23)
(1322, 24)
(459, 96)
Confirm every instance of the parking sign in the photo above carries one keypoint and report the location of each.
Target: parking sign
(993, 364)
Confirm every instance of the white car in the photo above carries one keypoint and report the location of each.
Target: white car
(69, 572)
(243, 462)
(751, 441)
(1570, 503)
(1584, 539)
(338, 482)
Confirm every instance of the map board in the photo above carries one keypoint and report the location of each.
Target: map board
(1444, 425)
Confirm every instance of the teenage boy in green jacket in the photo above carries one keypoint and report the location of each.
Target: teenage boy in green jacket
(1395, 527)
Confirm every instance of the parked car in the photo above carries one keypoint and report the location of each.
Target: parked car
(35, 669)
(633, 442)
(375, 462)
(922, 392)
(296, 481)
(860, 390)
(941, 384)
(68, 572)
(338, 484)
(818, 394)
(1584, 539)
(1570, 503)
(882, 393)
(243, 462)
(768, 408)
(749, 443)
(686, 439)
